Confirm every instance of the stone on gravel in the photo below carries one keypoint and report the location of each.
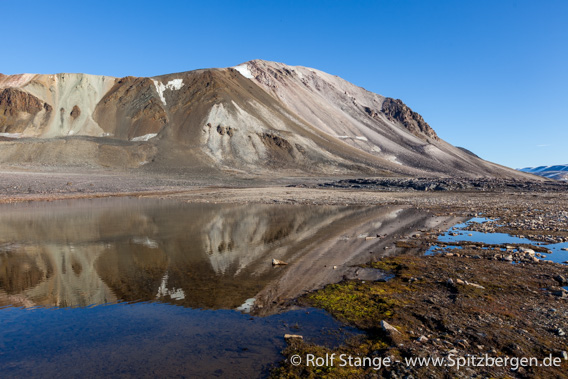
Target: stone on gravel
(475, 285)
(388, 328)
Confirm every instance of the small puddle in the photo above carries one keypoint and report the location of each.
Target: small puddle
(458, 233)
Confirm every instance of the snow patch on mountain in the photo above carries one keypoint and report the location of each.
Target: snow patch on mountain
(393, 159)
(145, 137)
(244, 70)
(174, 84)
(11, 135)
(360, 138)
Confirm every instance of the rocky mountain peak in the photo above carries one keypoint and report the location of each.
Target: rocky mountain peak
(396, 110)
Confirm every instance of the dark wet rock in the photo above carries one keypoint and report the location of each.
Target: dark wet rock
(445, 184)
(560, 292)
(422, 339)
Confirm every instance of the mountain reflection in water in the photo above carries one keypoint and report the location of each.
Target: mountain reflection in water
(74, 254)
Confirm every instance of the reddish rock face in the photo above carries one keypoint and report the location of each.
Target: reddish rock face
(131, 109)
(14, 101)
(18, 108)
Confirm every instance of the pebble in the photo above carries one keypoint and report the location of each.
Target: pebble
(389, 328)
(475, 285)
(529, 252)
(292, 336)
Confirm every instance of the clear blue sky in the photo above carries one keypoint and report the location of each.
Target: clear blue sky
(488, 75)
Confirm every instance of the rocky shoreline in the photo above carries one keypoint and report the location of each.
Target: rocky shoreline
(467, 300)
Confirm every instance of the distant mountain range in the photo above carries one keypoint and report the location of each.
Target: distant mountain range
(558, 172)
(259, 117)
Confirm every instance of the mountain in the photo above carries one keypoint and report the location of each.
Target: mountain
(259, 117)
(558, 172)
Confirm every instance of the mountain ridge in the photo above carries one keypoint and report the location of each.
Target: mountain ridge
(556, 172)
(258, 117)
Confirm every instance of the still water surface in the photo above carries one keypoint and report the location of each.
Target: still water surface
(558, 254)
(157, 288)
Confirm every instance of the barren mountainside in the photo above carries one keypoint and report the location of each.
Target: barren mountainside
(259, 117)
